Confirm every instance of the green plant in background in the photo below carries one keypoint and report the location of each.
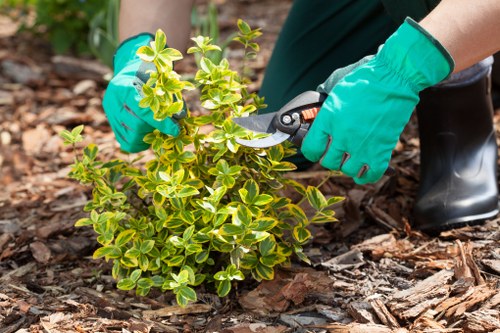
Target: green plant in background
(208, 25)
(103, 36)
(204, 210)
(66, 22)
(80, 26)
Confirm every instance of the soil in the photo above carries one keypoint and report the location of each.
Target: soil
(370, 272)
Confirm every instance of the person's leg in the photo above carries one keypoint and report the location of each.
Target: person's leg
(458, 152)
(317, 38)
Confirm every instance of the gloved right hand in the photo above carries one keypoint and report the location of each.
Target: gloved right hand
(370, 102)
(129, 121)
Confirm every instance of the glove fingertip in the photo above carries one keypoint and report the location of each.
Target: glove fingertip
(315, 145)
(169, 127)
(368, 178)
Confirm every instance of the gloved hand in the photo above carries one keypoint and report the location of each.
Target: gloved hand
(371, 101)
(129, 121)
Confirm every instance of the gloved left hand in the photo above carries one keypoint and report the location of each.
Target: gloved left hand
(371, 101)
(129, 121)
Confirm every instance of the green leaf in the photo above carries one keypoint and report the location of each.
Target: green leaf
(193, 248)
(147, 246)
(135, 275)
(77, 130)
(133, 253)
(182, 277)
(157, 280)
(201, 257)
(267, 246)
(264, 272)
(249, 261)
(233, 273)
(124, 237)
(249, 192)
(298, 214)
(91, 152)
(300, 253)
(242, 216)
(140, 291)
(334, 200)
(143, 262)
(170, 55)
(223, 288)
(283, 166)
(145, 283)
(126, 284)
(175, 261)
(146, 53)
(220, 276)
(263, 199)
(323, 218)
(231, 230)
(271, 260)
(263, 224)
(191, 275)
(72, 137)
(244, 27)
(276, 153)
(160, 40)
(129, 262)
(184, 295)
(198, 279)
(316, 198)
(301, 234)
(83, 222)
(187, 191)
(112, 252)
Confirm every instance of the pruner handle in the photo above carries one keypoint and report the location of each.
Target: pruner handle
(300, 110)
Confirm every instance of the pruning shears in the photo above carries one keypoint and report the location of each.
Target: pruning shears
(291, 122)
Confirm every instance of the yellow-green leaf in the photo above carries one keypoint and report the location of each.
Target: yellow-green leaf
(231, 230)
(301, 234)
(316, 198)
(223, 288)
(264, 272)
(124, 237)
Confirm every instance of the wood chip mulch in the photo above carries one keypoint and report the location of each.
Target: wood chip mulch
(370, 273)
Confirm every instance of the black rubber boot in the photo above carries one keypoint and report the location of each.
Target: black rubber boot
(458, 182)
(495, 75)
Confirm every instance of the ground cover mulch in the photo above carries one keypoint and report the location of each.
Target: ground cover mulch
(370, 273)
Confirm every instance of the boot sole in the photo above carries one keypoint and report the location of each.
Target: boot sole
(464, 221)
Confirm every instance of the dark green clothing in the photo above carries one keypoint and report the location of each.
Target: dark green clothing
(416, 9)
(320, 36)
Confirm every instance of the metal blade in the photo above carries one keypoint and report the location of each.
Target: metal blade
(263, 123)
(269, 141)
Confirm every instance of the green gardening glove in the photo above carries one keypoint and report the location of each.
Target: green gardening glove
(129, 121)
(360, 122)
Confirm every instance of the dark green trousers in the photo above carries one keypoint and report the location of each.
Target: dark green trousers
(320, 36)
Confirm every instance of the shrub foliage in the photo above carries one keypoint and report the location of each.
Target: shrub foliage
(204, 210)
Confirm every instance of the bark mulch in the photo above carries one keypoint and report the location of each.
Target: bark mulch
(370, 273)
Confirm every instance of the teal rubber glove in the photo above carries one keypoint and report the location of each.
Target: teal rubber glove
(129, 121)
(371, 101)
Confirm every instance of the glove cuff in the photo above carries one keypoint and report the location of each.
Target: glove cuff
(126, 51)
(417, 56)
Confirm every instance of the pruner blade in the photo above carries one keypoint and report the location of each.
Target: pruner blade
(269, 141)
(291, 122)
